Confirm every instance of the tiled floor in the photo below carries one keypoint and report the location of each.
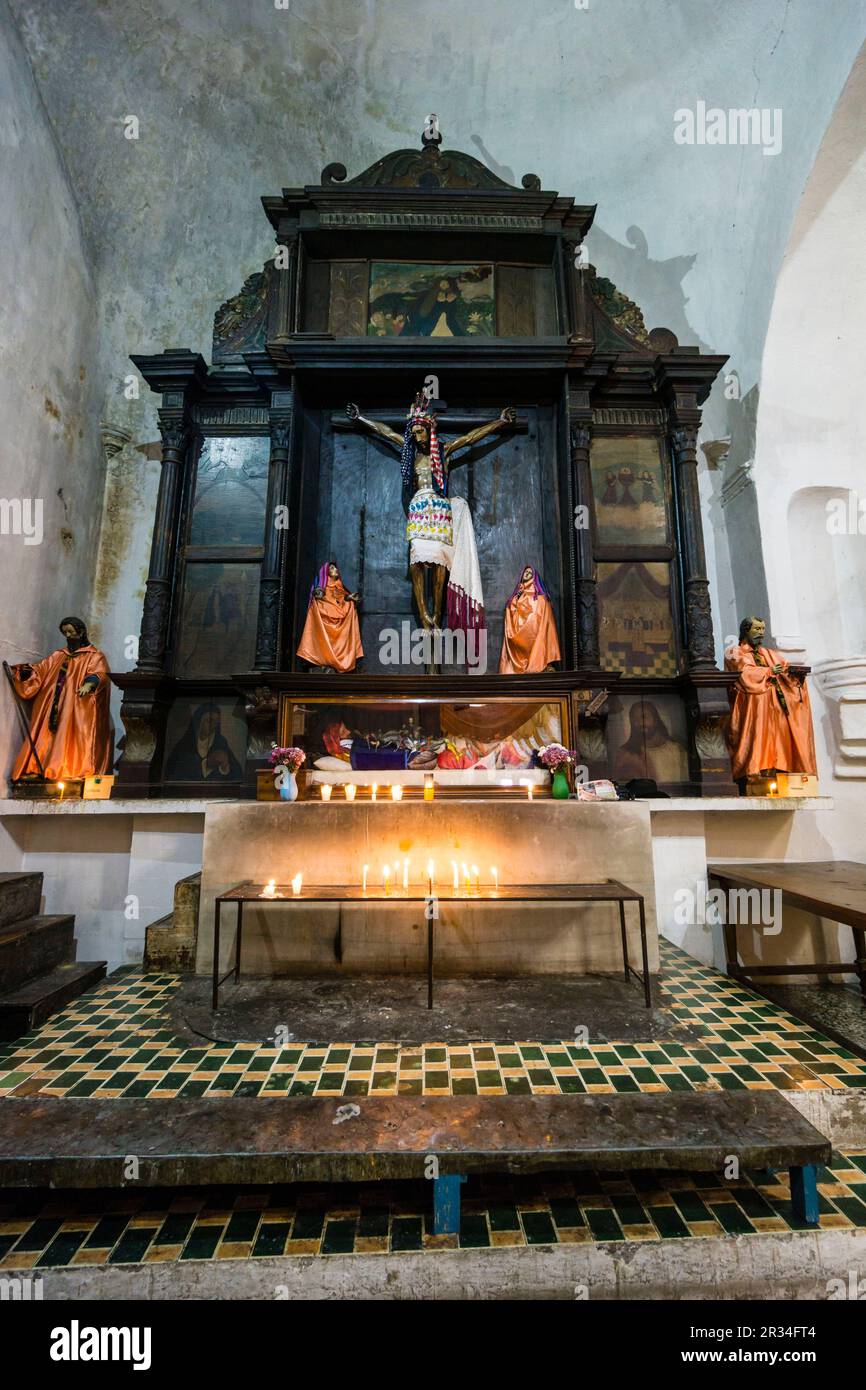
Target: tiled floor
(115, 1041)
(39, 1230)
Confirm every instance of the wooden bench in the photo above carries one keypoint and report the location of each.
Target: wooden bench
(832, 889)
(80, 1142)
(610, 891)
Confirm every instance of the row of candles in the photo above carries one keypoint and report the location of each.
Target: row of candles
(471, 879)
(396, 790)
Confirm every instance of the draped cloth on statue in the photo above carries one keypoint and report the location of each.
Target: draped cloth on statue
(79, 743)
(529, 639)
(487, 723)
(764, 732)
(332, 635)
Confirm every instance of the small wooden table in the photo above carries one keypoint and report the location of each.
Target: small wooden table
(608, 891)
(835, 889)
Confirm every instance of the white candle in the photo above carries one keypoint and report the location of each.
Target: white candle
(396, 792)
(475, 875)
(270, 889)
(386, 877)
(431, 870)
(405, 875)
(454, 867)
(326, 791)
(373, 791)
(466, 877)
(297, 882)
(495, 873)
(364, 878)
(349, 789)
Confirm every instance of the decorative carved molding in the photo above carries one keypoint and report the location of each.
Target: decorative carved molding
(628, 415)
(493, 222)
(711, 737)
(737, 482)
(113, 438)
(622, 311)
(430, 167)
(228, 416)
(842, 682)
(240, 323)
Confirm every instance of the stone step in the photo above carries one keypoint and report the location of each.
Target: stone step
(170, 943)
(20, 897)
(32, 1003)
(33, 947)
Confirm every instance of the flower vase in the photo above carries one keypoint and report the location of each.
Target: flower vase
(560, 785)
(288, 785)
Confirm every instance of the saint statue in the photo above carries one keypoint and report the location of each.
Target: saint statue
(529, 638)
(331, 638)
(771, 716)
(439, 528)
(70, 724)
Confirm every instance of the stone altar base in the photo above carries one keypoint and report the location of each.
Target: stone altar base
(529, 843)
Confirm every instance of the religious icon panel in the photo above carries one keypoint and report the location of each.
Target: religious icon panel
(628, 482)
(414, 299)
(636, 631)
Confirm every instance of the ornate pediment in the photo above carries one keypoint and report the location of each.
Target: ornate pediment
(427, 168)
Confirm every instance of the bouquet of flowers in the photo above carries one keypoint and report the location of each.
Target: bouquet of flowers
(290, 758)
(555, 757)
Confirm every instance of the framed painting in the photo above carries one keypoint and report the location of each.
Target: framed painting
(206, 740)
(646, 736)
(629, 491)
(219, 612)
(417, 299)
(636, 630)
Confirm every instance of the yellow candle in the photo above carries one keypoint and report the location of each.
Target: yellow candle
(429, 787)
(326, 791)
(386, 878)
(466, 882)
(454, 867)
(349, 789)
(297, 882)
(495, 873)
(431, 870)
(364, 878)
(396, 792)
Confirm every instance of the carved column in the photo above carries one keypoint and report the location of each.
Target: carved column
(270, 592)
(175, 431)
(585, 583)
(699, 619)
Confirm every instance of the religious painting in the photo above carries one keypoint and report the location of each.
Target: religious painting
(219, 614)
(416, 299)
(206, 740)
(636, 630)
(646, 737)
(231, 488)
(628, 484)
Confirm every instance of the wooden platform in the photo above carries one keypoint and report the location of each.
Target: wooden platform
(85, 1143)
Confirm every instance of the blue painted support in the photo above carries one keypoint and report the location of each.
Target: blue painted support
(804, 1192)
(446, 1204)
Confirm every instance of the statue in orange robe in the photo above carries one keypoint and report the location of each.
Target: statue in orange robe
(70, 722)
(771, 716)
(331, 635)
(529, 639)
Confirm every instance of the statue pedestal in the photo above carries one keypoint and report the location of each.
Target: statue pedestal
(842, 682)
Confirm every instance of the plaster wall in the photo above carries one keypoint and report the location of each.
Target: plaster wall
(51, 472)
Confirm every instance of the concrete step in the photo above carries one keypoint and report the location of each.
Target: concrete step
(32, 1003)
(170, 943)
(34, 946)
(20, 897)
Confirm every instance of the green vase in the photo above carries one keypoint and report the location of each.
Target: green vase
(560, 785)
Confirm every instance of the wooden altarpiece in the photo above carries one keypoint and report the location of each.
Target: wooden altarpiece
(263, 477)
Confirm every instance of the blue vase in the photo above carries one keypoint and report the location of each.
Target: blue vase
(288, 786)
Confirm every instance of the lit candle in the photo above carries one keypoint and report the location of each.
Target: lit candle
(495, 873)
(373, 791)
(349, 789)
(431, 869)
(386, 878)
(297, 881)
(326, 791)
(405, 875)
(525, 782)
(364, 878)
(454, 867)
(396, 792)
(475, 875)
(466, 878)
(270, 889)
(429, 788)
(507, 782)
(60, 786)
